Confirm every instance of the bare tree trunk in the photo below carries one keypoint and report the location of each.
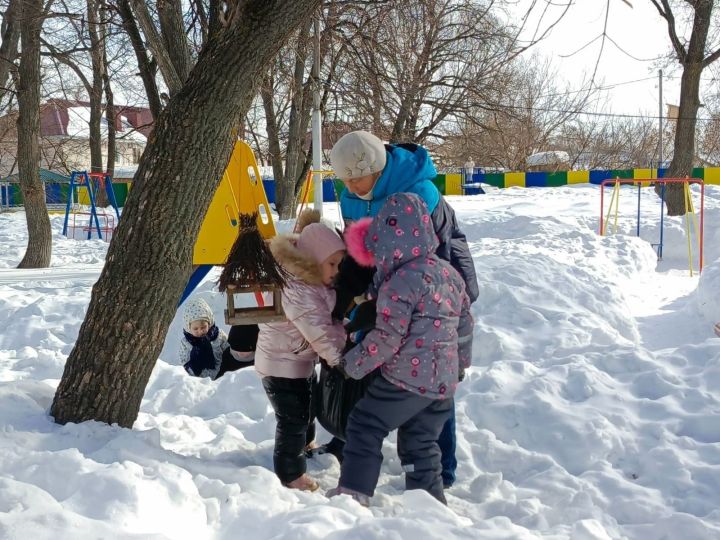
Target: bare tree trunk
(288, 185)
(110, 113)
(273, 133)
(146, 67)
(684, 148)
(39, 248)
(214, 13)
(693, 60)
(157, 47)
(150, 257)
(10, 39)
(97, 46)
(198, 7)
(173, 34)
(96, 90)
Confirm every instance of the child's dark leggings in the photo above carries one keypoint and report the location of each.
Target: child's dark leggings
(418, 419)
(292, 401)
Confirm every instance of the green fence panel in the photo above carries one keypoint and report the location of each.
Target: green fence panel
(121, 192)
(439, 182)
(495, 179)
(555, 179)
(622, 173)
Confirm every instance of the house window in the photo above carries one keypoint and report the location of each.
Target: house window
(137, 152)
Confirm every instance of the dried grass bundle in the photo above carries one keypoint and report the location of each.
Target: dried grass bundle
(250, 262)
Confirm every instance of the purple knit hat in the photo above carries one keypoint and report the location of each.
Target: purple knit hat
(319, 241)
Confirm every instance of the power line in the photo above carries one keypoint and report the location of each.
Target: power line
(589, 113)
(607, 87)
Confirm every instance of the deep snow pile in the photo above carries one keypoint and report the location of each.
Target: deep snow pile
(592, 410)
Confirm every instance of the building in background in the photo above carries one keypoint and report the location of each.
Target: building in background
(551, 161)
(65, 138)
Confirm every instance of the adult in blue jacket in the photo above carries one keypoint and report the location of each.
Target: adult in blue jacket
(372, 171)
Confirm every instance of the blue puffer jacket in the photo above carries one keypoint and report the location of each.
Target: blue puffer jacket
(409, 169)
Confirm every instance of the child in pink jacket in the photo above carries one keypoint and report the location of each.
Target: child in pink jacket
(288, 351)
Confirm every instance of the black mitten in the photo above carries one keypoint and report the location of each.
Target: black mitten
(352, 280)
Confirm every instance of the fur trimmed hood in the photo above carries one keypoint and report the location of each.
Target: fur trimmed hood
(299, 264)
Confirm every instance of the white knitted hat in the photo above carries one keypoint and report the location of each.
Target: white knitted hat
(197, 309)
(357, 154)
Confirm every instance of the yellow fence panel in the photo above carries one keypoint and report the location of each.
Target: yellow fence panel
(578, 177)
(453, 184)
(514, 179)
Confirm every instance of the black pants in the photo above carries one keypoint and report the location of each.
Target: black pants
(419, 421)
(291, 399)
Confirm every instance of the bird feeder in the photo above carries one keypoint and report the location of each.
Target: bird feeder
(252, 269)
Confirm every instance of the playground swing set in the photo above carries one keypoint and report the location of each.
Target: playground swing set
(92, 182)
(690, 222)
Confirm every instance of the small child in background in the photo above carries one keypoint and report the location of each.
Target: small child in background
(422, 341)
(203, 343)
(287, 351)
(242, 341)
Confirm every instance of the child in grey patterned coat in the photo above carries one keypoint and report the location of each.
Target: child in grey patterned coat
(422, 342)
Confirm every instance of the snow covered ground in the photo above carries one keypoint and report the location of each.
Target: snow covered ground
(592, 410)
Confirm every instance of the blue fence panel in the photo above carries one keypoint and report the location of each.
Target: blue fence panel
(536, 179)
(596, 177)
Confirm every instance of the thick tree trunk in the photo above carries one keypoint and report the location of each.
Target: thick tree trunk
(147, 70)
(28, 126)
(9, 46)
(150, 257)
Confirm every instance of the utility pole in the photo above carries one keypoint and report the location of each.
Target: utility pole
(660, 123)
(316, 123)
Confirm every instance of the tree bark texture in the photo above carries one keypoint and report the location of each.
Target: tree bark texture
(150, 257)
(39, 232)
(10, 40)
(145, 66)
(174, 36)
